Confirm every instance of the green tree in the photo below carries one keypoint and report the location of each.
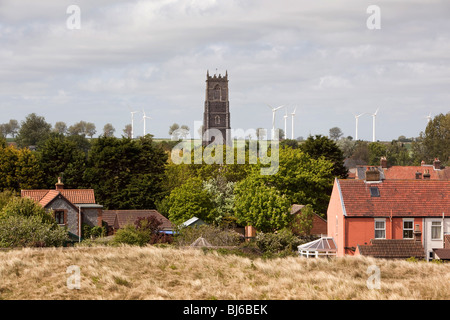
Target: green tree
(301, 178)
(435, 141)
(60, 155)
(26, 207)
(125, 173)
(335, 133)
(261, 206)
(376, 151)
(190, 200)
(321, 146)
(33, 131)
(19, 169)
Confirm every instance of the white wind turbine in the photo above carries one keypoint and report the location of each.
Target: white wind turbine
(373, 128)
(357, 118)
(274, 110)
(144, 117)
(292, 129)
(428, 117)
(132, 123)
(285, 123)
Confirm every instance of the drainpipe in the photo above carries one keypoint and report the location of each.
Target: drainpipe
(79, 224)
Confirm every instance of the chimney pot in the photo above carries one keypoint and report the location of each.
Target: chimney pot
(437, 164)
(383, 162)
(426, 174)
(418, 175)
(422, 163)
(59, 185)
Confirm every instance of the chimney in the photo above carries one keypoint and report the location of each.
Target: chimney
(426, 175)
(372, 174)
(418, 175)
(422, 163)
(437, 164)
(59, 185)
(383, 162)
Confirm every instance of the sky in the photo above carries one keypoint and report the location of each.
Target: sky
(320, 57)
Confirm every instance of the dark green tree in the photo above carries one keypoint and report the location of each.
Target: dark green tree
(321, 146)
(125, 173)
(33, 131)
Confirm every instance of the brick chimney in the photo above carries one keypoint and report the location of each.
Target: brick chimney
(59, 185)
(418, 175)
(422, 163)
(383, 162)
(437, 164)
(372, 174)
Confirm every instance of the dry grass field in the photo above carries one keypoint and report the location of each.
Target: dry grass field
(123, 273)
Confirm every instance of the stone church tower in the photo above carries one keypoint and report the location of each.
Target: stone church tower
(217, 108)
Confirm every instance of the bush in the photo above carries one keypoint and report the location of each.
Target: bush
(144, 231)
(130, 235)
(283, 242)
(21, 231)
(214, 235)
(26, 207)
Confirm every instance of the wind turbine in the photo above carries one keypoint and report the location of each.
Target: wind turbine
(428, 117)
(132, 123)
(285, 123)
(357, 118)
(274, 110)
(373, 119)
(292, 129)
(143, 119)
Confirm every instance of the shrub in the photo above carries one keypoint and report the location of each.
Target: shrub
(26, 207)
(144, 231)
(22, 231)
(283, 242)
(215, 235)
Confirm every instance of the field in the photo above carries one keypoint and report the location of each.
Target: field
(125, 273)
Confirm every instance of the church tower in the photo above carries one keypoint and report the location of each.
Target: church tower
(217, 108)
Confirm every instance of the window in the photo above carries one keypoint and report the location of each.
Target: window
(408, 228)
(380, 228)
(217, 120)
(374, 192)
(217, 92)
(59, 217)
(436, 230)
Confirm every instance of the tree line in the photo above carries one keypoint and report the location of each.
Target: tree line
(138, 173)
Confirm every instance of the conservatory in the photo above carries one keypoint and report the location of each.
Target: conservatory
(323, 247)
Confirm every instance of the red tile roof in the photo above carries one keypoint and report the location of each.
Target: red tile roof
(409, 172)
(393, 249)
(78, 196)
(415, 198)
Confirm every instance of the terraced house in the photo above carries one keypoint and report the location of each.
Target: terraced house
(71, 207)
(390, 218)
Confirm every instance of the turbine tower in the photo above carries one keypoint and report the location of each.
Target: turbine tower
(132, 123)
(357, 118)
(428, 117)
(143, 119)
(373, 119)
(274, 110)
(285, 123)
(292, 129)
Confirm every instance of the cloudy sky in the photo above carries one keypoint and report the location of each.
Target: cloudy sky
(317, 55)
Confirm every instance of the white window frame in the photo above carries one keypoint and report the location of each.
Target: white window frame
(409, 229)
(440, 227)
(383, 220)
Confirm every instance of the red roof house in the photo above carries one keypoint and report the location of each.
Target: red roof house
(71, 207)
(361, 211)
